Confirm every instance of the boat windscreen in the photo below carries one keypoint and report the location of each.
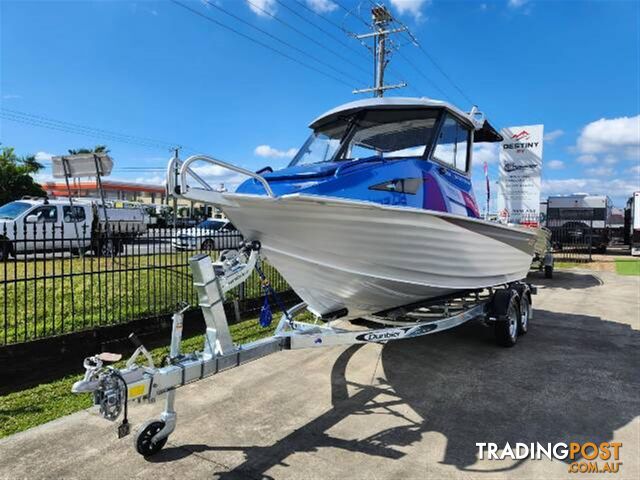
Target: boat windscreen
(384, 132)
(391, 134)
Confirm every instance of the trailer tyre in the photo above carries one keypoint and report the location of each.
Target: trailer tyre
(208, 246)
(548, 271)
(525, 314)
(526, 310)
(109, 248)
(144, 435)
(5, 250)
(505, 308)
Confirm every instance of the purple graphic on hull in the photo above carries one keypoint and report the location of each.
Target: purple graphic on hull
(432, 198)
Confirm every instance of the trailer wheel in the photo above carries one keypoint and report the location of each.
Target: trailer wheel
(5, 250)
(144, 435)
(109, 248)
(505, 307)
(548, 271)
(525, 308)
(208, 246)
(525, 314)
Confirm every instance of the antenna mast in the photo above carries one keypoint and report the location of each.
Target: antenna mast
(381, 19)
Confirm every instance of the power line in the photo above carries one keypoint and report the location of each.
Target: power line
(339, 27)
(444, 74)
(259, 42)
(10, 114)
(329, 34)
(300, 32)
(299, 50)
(423, 75)
(83, 130)
(350, 12)
(415, 41)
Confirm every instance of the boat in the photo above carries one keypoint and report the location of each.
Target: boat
(376, 210)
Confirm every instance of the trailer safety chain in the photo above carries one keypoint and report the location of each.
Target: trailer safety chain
(268, 289)
(124, 428)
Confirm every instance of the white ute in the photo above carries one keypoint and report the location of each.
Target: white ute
(40, 225)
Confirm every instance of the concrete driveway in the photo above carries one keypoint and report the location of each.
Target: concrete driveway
(410, 409)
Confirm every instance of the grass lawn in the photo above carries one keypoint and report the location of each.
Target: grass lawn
(628, 267)
(45, 297)
(34, 406)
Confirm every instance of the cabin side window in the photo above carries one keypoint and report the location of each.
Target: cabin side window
(73, 214)
(47, 214)
(452, 144)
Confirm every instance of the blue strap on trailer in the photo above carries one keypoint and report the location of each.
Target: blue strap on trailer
(265, 312)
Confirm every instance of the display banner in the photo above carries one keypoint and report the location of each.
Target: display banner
(520, 168)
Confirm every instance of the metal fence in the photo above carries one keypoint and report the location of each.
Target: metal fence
(56, 280)
(575, 241)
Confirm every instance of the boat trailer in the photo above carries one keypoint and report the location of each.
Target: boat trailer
(508, 308)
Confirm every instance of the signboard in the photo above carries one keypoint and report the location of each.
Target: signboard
(520, 168)
(82, 165)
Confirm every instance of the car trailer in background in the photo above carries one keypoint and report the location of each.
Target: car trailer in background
(507, 308)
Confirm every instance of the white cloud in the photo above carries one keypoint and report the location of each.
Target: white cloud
(43, 178)
(635, 170)
(553, 135)
(587, 159)
(322, 6)
(270, 152)
(11, 96)
(600, 171)
(412, 7)
(517, 3)
(262, 8)
(620, 188)
(609, 135)
(43, 156)
(610, 160)
(488, 152)
(555, 164)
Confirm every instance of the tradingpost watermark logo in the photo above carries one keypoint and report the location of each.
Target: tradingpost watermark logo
(586, 457)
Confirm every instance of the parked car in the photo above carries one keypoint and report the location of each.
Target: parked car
(211, 234)
(42, 225)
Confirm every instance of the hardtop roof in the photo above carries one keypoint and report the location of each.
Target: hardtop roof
(484, 131)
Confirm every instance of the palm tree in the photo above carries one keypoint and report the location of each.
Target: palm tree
(96, 149)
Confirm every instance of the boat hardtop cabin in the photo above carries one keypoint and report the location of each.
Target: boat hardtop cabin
(412, 152)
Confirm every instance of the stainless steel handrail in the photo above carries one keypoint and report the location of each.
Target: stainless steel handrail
(172, 173)
(204, 158)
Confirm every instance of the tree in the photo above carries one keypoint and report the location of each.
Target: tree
(15, 176)
(96, 149)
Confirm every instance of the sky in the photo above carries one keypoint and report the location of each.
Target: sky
(143, 76)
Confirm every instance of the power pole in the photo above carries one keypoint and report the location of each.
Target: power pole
(381, 19)
(176, 153)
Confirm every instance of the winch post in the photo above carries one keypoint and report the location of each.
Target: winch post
(211, 301)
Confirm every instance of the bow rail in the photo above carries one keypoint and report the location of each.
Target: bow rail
(177, 182)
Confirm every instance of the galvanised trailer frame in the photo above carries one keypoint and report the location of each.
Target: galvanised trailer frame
(507, 307)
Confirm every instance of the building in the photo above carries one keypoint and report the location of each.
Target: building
(113, 190)
(128, 192)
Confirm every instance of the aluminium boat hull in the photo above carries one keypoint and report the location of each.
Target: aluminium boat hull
(365, 257)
